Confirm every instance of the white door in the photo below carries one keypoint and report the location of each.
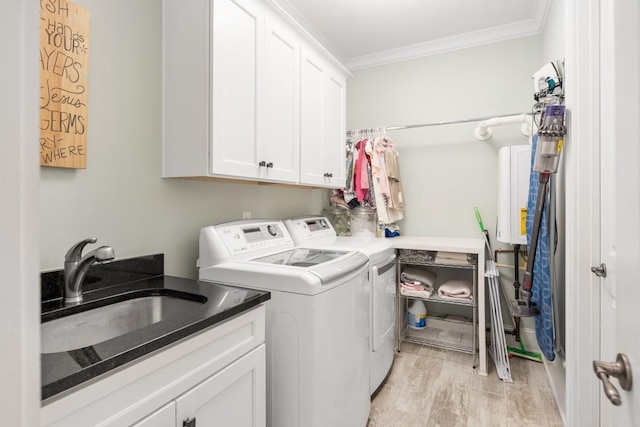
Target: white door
(279, 129)
(233, 397)
(312, 82)
(333, 152)
(322, 122)
(163, 417)
(383, 302)
(238, 37)
(620, 201)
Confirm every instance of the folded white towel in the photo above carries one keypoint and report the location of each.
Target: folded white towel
(411, 291)
(412, 274)
(451, 258)
(456, 290)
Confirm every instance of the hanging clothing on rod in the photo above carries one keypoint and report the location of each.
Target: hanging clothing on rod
(373, 174)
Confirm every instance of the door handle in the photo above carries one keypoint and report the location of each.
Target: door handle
(600, 271)
(620, 369)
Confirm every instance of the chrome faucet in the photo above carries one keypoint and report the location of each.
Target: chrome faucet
(76, 266)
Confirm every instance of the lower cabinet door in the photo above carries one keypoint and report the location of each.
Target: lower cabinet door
(163, 417)
(233, 397)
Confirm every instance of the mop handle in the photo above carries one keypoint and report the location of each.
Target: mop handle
(537, 219)
(479, 219)
(485, 233)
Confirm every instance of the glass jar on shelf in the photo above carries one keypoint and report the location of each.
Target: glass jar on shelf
(339, 218)
(363, 222)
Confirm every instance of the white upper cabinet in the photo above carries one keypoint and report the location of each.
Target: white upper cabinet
(322, 152)
(237, 32)
(239, 100)
(279, 121)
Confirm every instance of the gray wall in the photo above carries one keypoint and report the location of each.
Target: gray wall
(120, 197)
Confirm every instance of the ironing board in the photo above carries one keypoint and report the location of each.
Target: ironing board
(541, 285)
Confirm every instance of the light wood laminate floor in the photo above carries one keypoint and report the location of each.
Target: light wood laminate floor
(433, 387)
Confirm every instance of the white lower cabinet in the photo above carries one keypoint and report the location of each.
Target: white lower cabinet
(163, 417)
(215, 378)
(234, 397)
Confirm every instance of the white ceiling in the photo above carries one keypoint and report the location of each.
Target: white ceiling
(363, 33)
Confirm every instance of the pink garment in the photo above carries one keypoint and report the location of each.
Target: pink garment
(357, 178)
(364, 176)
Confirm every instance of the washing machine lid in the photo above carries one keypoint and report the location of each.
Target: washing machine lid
(261, 254)
(279, 272)
(302, 257)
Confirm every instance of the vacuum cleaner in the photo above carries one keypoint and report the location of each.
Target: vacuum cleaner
(546, 161)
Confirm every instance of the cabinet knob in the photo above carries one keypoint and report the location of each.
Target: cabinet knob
(262, 163)
(189, 422)
(328, 175)
(270, 165)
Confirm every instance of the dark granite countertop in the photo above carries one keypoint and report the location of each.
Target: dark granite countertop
(121, 280)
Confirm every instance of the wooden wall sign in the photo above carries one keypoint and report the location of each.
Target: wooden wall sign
(64, 69)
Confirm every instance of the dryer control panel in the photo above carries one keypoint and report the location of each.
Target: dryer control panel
(309, 228)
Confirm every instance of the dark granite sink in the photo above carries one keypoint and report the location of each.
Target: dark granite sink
(114, 319)
(130, 310)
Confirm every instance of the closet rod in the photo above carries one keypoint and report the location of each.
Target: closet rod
(450, 122)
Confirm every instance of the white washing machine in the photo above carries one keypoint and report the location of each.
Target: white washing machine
(316, 231)
(317, 324)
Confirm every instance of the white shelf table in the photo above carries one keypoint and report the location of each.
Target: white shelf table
(472, 246)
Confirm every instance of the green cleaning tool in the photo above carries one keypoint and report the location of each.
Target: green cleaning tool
(512, 351)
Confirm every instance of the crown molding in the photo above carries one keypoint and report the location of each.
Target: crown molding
(491, 35)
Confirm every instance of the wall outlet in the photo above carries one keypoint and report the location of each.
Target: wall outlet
(246, 215)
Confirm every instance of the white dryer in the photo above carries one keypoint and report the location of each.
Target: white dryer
(316, 338)
(316, 231)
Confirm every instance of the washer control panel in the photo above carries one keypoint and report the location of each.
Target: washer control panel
(249, 237)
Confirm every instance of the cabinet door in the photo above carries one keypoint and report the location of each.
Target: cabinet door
(311, 119)
(238, 47)
(322, 123)
(333, 143)
(279, 121)
(233, 397)
(163, 417)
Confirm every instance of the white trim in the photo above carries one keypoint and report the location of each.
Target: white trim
(557, 373)
(541, 13)
(462, 41)
(582, 206)
(529, 27)
(19, 252)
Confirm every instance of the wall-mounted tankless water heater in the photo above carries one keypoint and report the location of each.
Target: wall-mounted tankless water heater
(514, 168)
